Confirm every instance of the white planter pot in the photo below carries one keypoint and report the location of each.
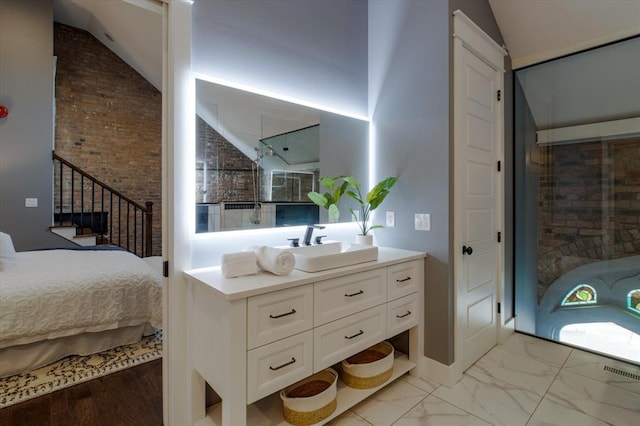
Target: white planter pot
(364, 239)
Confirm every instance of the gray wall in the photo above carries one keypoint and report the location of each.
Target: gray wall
(316, 51)
(410, 98)
(409, 94)
(313, 51)
(26, 135)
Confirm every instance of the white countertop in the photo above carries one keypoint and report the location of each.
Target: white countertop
(265, 282)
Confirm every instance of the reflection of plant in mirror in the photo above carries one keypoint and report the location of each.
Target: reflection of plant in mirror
(330, 199)
(351, 187)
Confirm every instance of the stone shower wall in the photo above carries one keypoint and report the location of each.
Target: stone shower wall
(229, 171)
(108, 120)
(589, 197)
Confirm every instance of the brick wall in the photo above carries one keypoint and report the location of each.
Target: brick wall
(589, 197)
(108, 120)
(229, 172)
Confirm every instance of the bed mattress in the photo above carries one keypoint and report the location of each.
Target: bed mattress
(58, 293)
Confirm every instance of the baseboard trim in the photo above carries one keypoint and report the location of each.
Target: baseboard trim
(446, 375)
(506, 330)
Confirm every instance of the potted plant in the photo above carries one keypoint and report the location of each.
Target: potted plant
(368, 204)
(338, 186)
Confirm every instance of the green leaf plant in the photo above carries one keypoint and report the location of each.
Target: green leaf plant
(330, 199)
(352, 188)
(374, 198)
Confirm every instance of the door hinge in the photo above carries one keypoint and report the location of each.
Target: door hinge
(499, 236)
(498, 307)
(165, 269)
(499, 165)
(499, 94)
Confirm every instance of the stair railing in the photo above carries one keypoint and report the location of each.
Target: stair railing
(82, 200)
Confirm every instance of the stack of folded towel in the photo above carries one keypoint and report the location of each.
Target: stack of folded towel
(248, 262)
(239, 264)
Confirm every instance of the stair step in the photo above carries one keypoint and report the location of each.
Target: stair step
(69, 233)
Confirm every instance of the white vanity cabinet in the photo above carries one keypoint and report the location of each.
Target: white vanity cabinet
(249, 337)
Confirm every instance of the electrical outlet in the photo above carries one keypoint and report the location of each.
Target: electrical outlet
(31, 202)
(422, 222)
(391, 219)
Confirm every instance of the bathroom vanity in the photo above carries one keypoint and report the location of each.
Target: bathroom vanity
(249, 337)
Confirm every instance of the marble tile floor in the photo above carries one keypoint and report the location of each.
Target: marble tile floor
(524, 381)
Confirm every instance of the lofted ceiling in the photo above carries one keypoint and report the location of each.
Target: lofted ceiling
(132, 29)
(537, 30)
(533, 30)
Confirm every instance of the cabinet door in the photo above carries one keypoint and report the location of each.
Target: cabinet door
(340, 339)
(339, 297)
(279, 364)
(279, 314)
(403, 279)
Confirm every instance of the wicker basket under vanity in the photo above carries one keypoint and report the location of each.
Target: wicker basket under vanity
(369, 368)
(311, 400)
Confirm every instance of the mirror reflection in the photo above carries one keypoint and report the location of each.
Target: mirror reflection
(258, 157)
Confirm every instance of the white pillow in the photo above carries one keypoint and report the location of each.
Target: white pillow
(7, 252)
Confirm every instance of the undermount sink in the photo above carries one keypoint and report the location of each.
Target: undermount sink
(332, 254)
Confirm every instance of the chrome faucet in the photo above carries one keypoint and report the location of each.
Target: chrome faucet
(309, 232)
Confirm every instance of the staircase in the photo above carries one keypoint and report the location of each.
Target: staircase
(88, 212)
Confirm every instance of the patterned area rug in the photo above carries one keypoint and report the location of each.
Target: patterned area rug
(77, 369)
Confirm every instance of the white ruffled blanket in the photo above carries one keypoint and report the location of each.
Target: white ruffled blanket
(56, 293)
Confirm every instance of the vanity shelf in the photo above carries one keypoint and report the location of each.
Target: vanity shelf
(240, 328)
(268, 411)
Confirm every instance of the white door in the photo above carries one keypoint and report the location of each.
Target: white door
(477, 201)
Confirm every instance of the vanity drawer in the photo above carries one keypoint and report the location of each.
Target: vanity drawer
(340, 339)
(403, 279)
(279, 364)
(279, 314)
(340, 297)
(402, 314)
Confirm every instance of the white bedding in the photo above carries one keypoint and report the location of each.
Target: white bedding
(56, 293)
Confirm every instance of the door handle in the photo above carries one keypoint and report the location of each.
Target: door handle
(467, 250)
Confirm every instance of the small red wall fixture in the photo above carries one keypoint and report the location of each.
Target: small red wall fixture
(3, 111)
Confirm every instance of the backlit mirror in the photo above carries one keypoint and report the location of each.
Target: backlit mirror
(257, 158)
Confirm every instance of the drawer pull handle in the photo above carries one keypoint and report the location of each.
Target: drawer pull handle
(283, 365)
(403, 280)
(403, 315)
(354, 294)
(293, 311)
(355, 335)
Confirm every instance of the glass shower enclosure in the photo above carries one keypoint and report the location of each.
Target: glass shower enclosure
(577, 200)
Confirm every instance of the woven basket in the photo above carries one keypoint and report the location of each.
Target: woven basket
(311, 400)
(369, 368)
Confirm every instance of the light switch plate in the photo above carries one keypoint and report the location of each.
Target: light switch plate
(31, 202)
(391, 219)
(422, 222)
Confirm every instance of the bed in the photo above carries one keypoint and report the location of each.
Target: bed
(55, 303)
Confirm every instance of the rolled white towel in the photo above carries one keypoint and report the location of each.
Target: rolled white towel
(274, 260)
(238, 264)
